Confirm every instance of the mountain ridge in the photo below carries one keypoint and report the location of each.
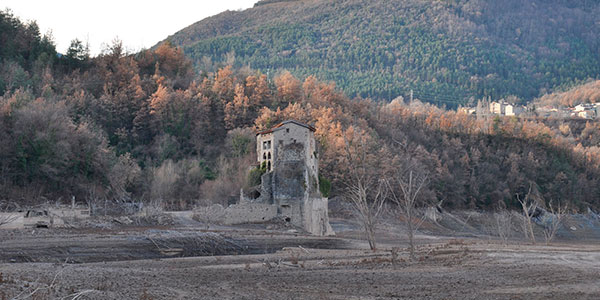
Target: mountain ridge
(444, 51)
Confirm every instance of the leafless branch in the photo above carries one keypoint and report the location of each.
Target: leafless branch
(529, 208)
(366, 192)
(407, 203)
(8, 218)
(556, 218)
(504, 225)
(78, 295)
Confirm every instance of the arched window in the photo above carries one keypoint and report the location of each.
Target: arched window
(269, 155)
(269, 166)
(264, 156)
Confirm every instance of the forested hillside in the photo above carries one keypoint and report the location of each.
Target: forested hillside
(447, 52)
(588, 92)
(144, 127)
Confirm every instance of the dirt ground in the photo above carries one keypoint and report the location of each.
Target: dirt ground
(256, 263)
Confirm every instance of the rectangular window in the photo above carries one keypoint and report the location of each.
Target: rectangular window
(266, 145)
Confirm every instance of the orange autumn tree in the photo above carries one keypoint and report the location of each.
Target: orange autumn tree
(238, 112)
(289, 88)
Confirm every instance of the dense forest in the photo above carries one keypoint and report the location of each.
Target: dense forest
(447, 52)
(130, 127)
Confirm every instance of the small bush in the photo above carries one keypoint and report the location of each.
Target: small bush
(324, 186)
(232, 175)
(255, 174)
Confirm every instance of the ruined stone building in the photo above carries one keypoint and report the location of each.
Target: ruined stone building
(289, 141)
(290, 187)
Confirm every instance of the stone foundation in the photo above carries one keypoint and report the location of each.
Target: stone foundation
(316, 218)
(249, 213)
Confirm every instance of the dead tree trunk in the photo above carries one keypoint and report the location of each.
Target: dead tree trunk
(558, 215)
(368, 207)
(363, 187)
(529, 208)
(504, 226)
(407, 202)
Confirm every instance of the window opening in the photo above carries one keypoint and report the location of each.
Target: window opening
(266, 145)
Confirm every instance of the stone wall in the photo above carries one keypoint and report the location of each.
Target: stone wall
(249, 213)
(55, 217)
(316, 218)
(242, 213)
(288, 177)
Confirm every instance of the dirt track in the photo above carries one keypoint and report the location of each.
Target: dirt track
(448, 269)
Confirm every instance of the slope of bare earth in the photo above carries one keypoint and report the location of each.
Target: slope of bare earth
(252, 262)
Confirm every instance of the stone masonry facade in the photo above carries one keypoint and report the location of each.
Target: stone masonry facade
(290, 185)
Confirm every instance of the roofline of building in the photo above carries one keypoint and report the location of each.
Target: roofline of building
(278, 126)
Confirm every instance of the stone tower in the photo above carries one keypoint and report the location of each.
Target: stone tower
(291, 183)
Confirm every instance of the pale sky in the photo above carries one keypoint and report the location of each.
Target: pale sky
(139, 24)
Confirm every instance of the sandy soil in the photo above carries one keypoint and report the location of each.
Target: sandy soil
(303, 267)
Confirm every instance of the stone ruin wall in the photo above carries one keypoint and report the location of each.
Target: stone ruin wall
(291, 190)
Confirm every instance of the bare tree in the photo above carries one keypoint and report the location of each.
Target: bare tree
(504, 225)
(5, 216)
(163, 184)
(367, 207)
(407, 201)
(557, 216)
(529, 207)
(364, 188)
(94, 194)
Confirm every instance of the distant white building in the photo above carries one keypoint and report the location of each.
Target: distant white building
(496, 108)
(584, 107)
(468, 110)
(586, 111)
(505, 109)
(512, 110)
(586, 114)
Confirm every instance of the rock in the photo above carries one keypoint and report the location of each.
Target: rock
(123, 220)
(164, 220)
(433, 214)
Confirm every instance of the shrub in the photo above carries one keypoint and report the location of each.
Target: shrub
(255, 174)
(324, 186)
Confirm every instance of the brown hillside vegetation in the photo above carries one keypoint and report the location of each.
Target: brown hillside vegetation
(585, 93)
(142, 127)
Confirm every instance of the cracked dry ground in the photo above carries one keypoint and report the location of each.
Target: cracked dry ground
(473, 270)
